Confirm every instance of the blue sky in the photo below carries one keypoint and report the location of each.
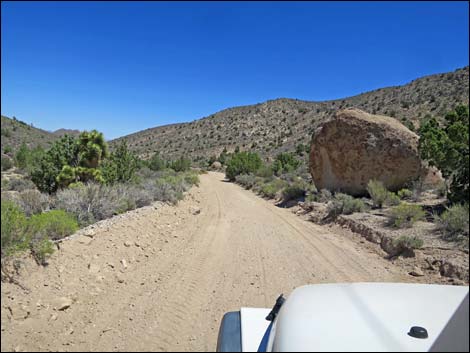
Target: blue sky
(121, 67)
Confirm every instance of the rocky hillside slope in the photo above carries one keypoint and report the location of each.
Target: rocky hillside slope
(282, 124)
(15, 132)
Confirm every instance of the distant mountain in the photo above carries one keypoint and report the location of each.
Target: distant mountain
(62, 132)
(281, 124)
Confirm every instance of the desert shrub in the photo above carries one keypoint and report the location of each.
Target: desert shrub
(272, 188)
(6, 163)
(405, 215)
(380, 195)
(70, 160)
(377, 192)
(191, 178)
(55, 225)
(246, 180)
(294, 191)
(157, 163)
(48, 167)
(284, 163)
(41, 249)
(33, 202)
(7, 150)
(404, 194)
(392, 199)
(13, 230)
(242, 163)
(180, 165)
(325, 195)
(344, 204)
(265, 172)
(20, 184)
(121, 165)
(405, 243)
(454, 221)
(89, 203)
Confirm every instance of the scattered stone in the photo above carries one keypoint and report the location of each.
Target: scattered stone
(119, 278)
(85, 240)
(53, 317)
(93, 268)
(417, 272)
(124, 263)
(127, 243)
(89, 233)
(63, 303)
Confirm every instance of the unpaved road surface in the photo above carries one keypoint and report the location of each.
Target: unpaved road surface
(160, 279)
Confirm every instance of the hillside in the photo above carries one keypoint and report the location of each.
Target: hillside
(281, 124)
(15, 132)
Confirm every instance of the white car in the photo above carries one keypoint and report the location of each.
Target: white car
(354, 317)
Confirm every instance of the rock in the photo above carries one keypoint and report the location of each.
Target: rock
(63, 303)
(53, 317)
(89, 233)
(355, 147)
(216, 165)
(417, 272)
(93, 268)
(127, 243)
(124, 263)
(195, 211)
(85, 240)
(119, 278)
(450, 268)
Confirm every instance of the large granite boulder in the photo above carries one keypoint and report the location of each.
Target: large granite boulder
(355, 147)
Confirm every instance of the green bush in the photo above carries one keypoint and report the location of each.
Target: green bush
(6, 163)
(181, 164)
(392, 199)
(454, 221)
(377, 192)
(55, 225)
(404, 194)
(7, 149)
(242, 163)
(272, 189)
(405, 215)
(156, 163)
(121, 165)
(380, 195)
(294, 191)
(14, 236)
(405, 243)
(344, 204)
(265, 172)
(446, 147)
(285, 163)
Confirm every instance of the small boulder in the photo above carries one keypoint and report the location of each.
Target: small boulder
(216, 165)
(417, 272)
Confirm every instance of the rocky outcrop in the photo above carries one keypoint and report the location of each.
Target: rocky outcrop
(355, 147)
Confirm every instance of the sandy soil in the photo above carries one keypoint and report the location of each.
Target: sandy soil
(161, 278)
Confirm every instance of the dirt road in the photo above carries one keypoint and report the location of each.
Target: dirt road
(161, 279)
